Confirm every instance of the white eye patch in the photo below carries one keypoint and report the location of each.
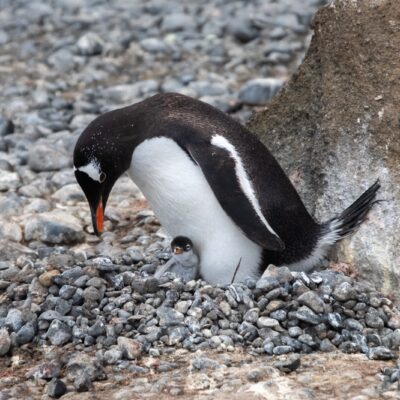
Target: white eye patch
(92, 170)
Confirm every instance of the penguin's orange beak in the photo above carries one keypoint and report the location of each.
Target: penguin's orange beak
(99, 217)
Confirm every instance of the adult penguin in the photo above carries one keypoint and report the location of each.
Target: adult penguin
(208, 178)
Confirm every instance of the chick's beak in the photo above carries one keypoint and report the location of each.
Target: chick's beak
(178, 250)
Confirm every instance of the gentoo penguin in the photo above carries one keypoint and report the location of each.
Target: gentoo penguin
(184, 261)
(208, 178)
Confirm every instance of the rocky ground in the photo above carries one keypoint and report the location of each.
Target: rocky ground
(84, 314)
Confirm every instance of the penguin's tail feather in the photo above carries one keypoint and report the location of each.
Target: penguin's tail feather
(352, 217)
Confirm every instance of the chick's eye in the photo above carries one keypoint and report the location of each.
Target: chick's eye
(188, 247)
(103, 177)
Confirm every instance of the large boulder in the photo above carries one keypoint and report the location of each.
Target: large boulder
(335, 128)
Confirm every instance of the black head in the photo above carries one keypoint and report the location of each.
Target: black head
(181, 244)
(101, 156)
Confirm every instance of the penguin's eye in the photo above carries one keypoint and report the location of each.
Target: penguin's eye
(188, 247)
(103, 177)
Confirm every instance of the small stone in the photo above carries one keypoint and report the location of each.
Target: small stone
(5, 342)
(14, 320)
(353, 325)
(295, 331)
(278, 350)
(56, 388)
(326, 346)
(91, 294)
(177, 22)
(153, 45)
(46, 279)
(266, 284)
(9, 180)
(282, 274)
(265, 322)
(259, 91)
(380, 353)
(307, 315)
(373, 320)
(169, 316)
(6, 126)
(251, 315)
(131, 349)
(313, 301)
(90, 44)
(54, 227)
(43, 157)
(335, 320)
(59, 333)
(242, 29)
(112, 356)
(344, 292)
(26, 334)
(204, 363)
(289, 364)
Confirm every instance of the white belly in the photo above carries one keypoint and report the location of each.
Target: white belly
(180, 196)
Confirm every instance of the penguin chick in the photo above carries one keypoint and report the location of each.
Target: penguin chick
(184, 262)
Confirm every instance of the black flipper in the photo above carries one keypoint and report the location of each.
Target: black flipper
(219, 169)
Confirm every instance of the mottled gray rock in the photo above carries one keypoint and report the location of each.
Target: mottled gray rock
(153, 45)
(70, 192)
(288, 364)
(26, 334)
(14, 320)
(90, 44)
(243, 29)
(59, 333)
(307, 315)
(313, 301)
(131, 349)
(259, 91)
(268, 283)
(177, 22)
(344, 292)
(380, 353)
(8, 180)
(5, 342)
(346, 162)
(43, 157)
(282, 274)
(82, 370)
(10, 231)
(54, 227)
(169, 317)
(326, 346)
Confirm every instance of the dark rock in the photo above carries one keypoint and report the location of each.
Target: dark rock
(380, 353)
(26, 333)
(6, 126)
(289, 364)
(56, 388)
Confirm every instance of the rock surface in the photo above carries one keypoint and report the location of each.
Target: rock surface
(333, 129)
